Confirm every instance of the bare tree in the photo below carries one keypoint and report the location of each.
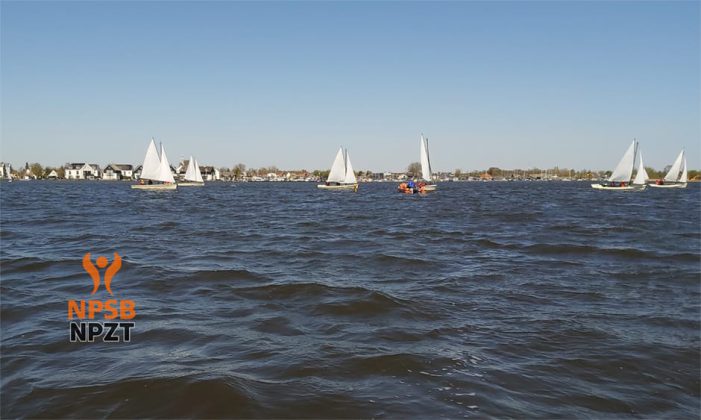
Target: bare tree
(414, 169)
(239, 170)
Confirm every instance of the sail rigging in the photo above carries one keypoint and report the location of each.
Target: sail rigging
(193, 174)
(624, 170)
(673, 174)
(641, 177)
(425, 160)
(349, 177)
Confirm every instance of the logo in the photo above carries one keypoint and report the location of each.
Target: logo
(102, 263)
(84, 315)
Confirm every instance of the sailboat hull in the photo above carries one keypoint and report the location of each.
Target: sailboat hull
(680, 185)
(626, 188)
(154, 187)
(190, 184)
(429, 187)
(338, 187)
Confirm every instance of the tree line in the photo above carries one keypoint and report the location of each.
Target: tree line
(239, 170)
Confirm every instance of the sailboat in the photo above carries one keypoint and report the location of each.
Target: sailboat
(425, 184)
(425, 167)
(674, 179)
(621, 176)
(341, 176)
(155, 172)
(193, 176)
(641, 177)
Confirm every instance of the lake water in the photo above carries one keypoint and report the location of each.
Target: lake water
(514, 299)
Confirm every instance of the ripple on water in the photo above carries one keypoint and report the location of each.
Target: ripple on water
(277, 300)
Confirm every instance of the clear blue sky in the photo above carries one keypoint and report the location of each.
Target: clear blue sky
(491, 84)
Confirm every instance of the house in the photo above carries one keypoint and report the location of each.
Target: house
(82, 171)
(52, 175)
(137, 172)
(115, 172)
(182, 168)
(210, 173)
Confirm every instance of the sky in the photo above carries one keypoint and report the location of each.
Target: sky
(506, 84)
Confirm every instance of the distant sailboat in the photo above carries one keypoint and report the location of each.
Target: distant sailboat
(674, 179)
(622, 174)
(193, 176)
(155, 172)
(425, 184)
(426, 173)
(341, 176)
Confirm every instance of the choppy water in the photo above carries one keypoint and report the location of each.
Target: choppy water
(278, 300)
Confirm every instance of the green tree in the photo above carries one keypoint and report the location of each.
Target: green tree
(653, 174)
(457, 173)
(61, 172)
(36, 169)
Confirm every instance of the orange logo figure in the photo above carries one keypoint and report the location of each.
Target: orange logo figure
(102, 263)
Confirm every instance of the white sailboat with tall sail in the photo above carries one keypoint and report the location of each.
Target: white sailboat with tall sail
(155, 172)
(193, 176)
(341, 176)
(425, 183)
(426, 173)
(677, 175)
(620, 179)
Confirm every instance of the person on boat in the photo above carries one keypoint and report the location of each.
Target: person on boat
(411, 184)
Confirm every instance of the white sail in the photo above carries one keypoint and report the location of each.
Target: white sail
(641, 177)
(338, 168)
(684, 176)
(193, 174)
(164, 172)
(198, 174)
(673, 174)
(349, 178)
(190, 171)
(152, 162)
(425, 161)
(624, 169)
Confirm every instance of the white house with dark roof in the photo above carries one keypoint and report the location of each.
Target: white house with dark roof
(82, 170)
(116, 172)
(210, 173)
